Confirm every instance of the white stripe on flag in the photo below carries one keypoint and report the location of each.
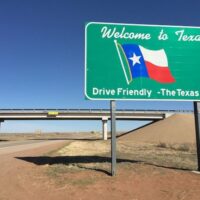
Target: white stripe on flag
(156, 57)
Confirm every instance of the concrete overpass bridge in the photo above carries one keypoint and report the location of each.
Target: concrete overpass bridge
(83, 114)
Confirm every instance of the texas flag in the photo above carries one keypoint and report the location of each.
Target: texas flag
(143, 62)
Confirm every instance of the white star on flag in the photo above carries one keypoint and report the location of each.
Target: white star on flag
(135, 59)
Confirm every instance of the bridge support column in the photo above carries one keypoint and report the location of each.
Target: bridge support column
(105, 128)
(0, 123)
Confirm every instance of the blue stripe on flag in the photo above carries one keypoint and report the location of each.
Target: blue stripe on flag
(137, 69)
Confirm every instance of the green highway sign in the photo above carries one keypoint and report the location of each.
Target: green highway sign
(146, 62)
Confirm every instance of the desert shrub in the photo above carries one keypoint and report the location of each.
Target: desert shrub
(183, 147)
(162, 145)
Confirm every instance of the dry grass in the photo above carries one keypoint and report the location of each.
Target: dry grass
(188, 147)
(47, 136)
(95, 155)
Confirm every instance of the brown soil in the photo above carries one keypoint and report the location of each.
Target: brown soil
(144, 172)
(33, 175)
(178, 128)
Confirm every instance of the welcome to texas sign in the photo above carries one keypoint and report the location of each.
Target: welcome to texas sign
(125, 61)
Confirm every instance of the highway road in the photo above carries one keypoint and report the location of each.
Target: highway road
(16, 143)
(16, 146)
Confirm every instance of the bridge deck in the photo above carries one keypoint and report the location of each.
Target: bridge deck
(83, 114)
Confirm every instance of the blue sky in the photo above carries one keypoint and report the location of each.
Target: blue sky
(42, 52)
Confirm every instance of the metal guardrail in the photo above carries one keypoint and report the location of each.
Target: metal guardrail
(93, 110)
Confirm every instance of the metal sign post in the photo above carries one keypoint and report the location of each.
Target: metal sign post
(113, 136)
(197, 126)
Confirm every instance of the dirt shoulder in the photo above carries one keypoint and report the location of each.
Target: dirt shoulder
(73, 170)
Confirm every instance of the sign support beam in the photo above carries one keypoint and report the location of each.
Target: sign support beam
(113, 137)
(197, 126)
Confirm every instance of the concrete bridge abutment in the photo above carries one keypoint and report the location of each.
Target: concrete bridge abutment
(104, 128)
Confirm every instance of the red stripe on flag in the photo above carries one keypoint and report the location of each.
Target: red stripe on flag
(160, 74)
